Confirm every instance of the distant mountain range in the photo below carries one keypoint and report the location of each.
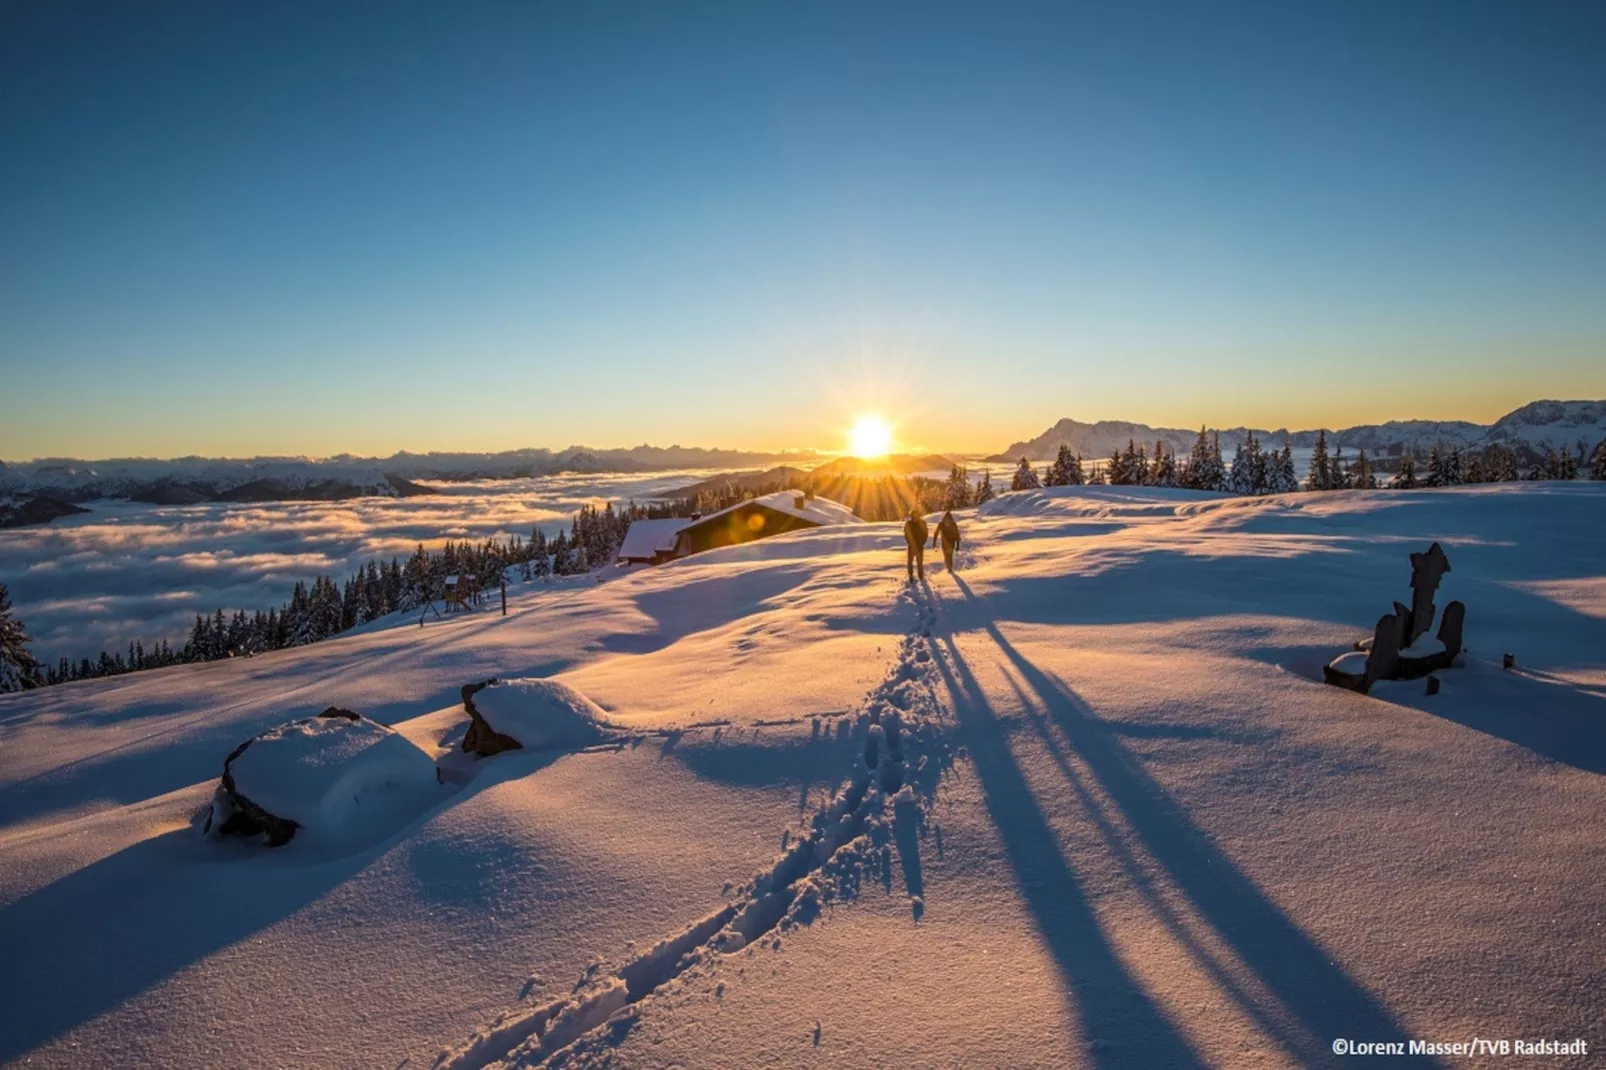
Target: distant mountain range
(189, 480)
(1529, 432)
(898, 464)
(38, 491)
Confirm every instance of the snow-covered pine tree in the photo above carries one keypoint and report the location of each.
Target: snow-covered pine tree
(1025, 478)
(19, 669)
(562, 559)
(1321, 476)
(984, 489)
(1499, 464)
(352, 602)
(541, 555)
(1361, 475)
(1566, 464)
(1133, 466)
(1405, 479)
(1337, 470)
(1473, 471)
(1069, 466)
(1096, 477)
(1454, 475)
(1115, 469)
(957, 494)
(1597, 461)
(1239, 481)
(1163, 468)
(1198, 463)
(1436, 473)
(1280, 475)
(1218, 467)
(1259, 473)
(1054, 474)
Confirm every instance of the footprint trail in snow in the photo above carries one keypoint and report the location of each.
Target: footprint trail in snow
(894, 778)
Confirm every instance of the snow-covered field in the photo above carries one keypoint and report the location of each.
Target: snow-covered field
(1079, 803)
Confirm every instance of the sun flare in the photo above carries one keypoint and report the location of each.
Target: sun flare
(871, 437)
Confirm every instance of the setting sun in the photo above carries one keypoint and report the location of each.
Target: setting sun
(871, 437)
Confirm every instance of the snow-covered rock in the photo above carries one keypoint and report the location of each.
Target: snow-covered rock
(317, 773)
(531, 714)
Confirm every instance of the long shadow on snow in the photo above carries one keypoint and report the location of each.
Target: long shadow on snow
(1550, 717)
(1323, 999)
(1266, 1019)
(89, 942)
(1112, 1007)
(824, 760)
(695, 605)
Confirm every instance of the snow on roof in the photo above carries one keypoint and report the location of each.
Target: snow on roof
(815, 510)
(648, 537)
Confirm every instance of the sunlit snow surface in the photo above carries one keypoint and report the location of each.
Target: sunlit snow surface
(1128, 827)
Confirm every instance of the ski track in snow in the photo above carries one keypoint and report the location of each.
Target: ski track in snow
(894, 777)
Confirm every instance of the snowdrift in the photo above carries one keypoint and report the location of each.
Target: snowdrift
(532, 714)
(323, 774)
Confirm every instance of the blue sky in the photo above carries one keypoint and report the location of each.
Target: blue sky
(232, 228)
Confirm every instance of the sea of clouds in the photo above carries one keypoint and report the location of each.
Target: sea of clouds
(128, 571)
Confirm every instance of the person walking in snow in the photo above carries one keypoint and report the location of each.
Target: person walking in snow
(948, 532)
(914, 533)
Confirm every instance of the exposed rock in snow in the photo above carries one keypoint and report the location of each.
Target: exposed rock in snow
(312, 773)
(530, 714)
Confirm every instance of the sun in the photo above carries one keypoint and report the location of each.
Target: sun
(871, 437)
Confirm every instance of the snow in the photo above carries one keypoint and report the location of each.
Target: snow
(324, 772)
(1424, 647)
(1530, 430)
(1082, 803)
(1352, 662)
(646, 538)
(540, 714)
(822, 511)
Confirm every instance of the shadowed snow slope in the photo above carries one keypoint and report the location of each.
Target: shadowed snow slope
(1080, 803)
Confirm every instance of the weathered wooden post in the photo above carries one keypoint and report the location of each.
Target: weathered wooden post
(504, 594)
(1426, 571)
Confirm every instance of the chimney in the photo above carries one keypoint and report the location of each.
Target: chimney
(808, 494)
(798, 500)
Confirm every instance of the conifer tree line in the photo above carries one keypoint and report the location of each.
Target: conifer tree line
(1257, 468)
(326, 608)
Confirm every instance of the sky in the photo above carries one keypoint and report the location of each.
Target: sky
(237, 229)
